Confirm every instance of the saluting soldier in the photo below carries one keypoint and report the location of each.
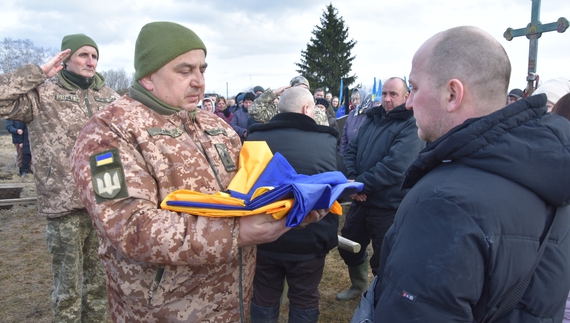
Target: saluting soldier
(56, 99)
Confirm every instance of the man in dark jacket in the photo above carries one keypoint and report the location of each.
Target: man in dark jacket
(483, 195)
(298, 255)
(386, 144)
(19, 131)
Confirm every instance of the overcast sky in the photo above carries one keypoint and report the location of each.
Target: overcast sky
(254, 42)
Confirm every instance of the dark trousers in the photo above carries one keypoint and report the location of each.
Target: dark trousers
(362, 225)
(303, 278)
(26, 164)
(23, 160)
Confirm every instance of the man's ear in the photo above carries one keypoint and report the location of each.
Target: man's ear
(454, 95)
(147, 83)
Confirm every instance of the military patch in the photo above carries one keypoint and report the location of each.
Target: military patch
(174, 133)
(107, 176)
(226, 157)
(67, 97)
(108, 184)
(104, 159)
(216, 131)
(104, 100)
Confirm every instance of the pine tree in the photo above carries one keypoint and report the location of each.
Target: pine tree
(327, 58)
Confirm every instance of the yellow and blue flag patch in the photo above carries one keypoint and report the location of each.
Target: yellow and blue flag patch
(107, 176)
(104, 159)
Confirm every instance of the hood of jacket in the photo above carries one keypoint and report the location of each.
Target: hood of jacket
(521, 142)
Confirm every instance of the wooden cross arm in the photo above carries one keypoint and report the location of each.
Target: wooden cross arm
(560, 26)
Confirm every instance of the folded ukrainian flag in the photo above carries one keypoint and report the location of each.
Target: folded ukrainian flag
(266, 183)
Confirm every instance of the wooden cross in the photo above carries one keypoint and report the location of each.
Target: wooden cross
(533, 31)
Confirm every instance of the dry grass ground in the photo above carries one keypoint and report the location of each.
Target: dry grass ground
(25, 274)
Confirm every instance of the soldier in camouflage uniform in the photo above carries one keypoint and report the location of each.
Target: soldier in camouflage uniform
(264, 107)
(56, 102)
(164, 266)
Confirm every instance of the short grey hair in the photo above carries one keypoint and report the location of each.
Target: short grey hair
(293, 99)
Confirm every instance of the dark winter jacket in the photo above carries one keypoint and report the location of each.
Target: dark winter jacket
(471, 225)
(386, 145)
(12, 126)
(310, 149)
(239, 122)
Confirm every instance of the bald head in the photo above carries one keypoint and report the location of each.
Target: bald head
(394, 93)
(475, 58)
(457, 74)
(296, 99)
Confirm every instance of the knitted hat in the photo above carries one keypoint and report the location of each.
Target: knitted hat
(554, 89)
(160, 42)
(76, 41)
(258, 89)
(322, 102)
(249, 96)
(239, 97)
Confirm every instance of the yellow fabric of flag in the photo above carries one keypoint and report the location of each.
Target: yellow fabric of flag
(254, 157)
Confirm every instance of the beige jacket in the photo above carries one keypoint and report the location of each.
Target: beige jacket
(55, 111)
(163, 266)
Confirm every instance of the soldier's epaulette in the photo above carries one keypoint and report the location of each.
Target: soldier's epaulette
(107, 176)
(67, 97)
(174, 133)
(104, 100)
(225, 157)
(216, 131)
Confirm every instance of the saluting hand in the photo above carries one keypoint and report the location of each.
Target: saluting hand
(53, 66)
(279, 91)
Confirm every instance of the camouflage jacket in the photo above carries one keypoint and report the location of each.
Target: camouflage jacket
(163, 266)
(321, 117)
(263, 108)
(55, 111)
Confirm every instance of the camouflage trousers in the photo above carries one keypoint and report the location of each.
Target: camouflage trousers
(78, 293)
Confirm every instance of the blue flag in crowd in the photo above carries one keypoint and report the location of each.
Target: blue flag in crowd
(340, 95)
(374, 89)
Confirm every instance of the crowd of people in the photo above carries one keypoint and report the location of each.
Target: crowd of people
(465, 187)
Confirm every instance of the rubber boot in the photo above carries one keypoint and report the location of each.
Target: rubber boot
(297, 315)
(359, 279)
(260, 314)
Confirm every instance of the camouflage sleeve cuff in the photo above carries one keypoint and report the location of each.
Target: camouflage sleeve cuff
(263, 109)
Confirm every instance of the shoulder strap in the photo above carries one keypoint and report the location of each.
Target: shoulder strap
(515, 296)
